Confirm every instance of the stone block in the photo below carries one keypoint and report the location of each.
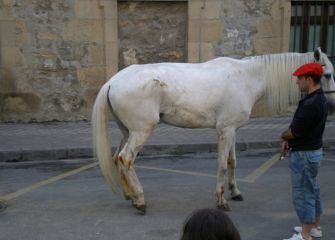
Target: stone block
(87, 9)
(14, 33)
(212, 9)
(96, 55)
(91, 76)
(129, 57)
(89, 96)
(193, 52)
(47, 60)
(83, 31)
(204, 9)
(8, 3)
(12, 57)
(111, 30)
(267, 45)
(19, 102)
(172, 54)
(212, 30)
(206, 52)
(195, 9)
(205, 30)
(110, 9)
(269, 28)
(7, 83)
(277, 26)
(112, 58)
(52, 36)
(69, 100)
(7, 13)
(194, 30)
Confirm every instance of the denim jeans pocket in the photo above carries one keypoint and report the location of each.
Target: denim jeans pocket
(314, 156)
(296, 162)
(313, 160)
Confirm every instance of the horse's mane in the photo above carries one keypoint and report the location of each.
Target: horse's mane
(281, 90)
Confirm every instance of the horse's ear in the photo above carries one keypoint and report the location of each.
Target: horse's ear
(317, 54)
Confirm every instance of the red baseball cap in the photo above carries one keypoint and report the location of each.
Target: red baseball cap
(309, 69)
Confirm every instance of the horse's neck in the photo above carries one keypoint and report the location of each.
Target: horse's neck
(256, 83)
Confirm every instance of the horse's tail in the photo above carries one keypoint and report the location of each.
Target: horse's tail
(101, 140)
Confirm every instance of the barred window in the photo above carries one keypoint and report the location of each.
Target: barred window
(312, 26)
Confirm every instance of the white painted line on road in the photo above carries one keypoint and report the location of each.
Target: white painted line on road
(177, 171)
(262, 169)
(35, 186)
(181, 172)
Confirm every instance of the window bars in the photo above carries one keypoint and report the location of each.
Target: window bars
(312, 26)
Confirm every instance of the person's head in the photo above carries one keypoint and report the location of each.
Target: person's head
(309, 76)
(209, 224)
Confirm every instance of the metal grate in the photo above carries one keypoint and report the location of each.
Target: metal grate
(312, 26)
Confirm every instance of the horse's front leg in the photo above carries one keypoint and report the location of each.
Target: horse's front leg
(235, 192)
(225, 141)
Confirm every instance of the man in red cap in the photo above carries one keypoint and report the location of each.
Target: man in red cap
(304, 140)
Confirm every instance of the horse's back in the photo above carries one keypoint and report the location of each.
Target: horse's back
(182, 94)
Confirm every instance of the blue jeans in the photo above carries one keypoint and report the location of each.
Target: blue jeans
(304, 167)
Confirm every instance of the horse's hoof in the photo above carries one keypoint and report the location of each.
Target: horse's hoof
(141, 208)
(224, 207)
(238, 198)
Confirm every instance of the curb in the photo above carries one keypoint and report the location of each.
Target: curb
(56, 154)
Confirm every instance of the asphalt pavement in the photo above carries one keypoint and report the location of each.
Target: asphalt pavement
(62, 140)
(52, 189)
(70, 200)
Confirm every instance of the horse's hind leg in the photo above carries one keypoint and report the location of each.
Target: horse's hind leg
(225, 141)
(126, 160)
(235, 192)
(127, 191)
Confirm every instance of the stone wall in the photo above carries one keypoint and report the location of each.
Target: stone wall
(56, 54)
(151, 32)
(51, 59)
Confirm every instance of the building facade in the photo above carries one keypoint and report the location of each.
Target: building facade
(56, 54)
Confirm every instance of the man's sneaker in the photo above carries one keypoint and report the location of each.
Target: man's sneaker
(315, 232)
(297, 237)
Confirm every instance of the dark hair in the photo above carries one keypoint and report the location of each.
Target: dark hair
(209, 224)
(316, 78)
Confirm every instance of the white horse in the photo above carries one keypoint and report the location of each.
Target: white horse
(216, 94)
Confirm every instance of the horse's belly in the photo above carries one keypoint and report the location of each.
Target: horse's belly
(187, 119)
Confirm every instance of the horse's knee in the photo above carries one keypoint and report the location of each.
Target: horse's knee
(232, 163)
(222, 170)
(124, 163)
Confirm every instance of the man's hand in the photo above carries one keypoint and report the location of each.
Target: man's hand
(285, 136)
(284, 146)
(284, 149)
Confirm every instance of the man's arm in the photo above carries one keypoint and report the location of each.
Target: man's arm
(287, 135)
